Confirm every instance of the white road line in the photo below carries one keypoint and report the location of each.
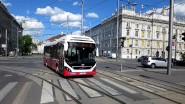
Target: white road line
(9, 75)
(47, 93)
(105, 87)
(22, 94)
(144, 88)
(67, 87)
(7, 89)
(88, 91)
(120, 86)
(162, 89)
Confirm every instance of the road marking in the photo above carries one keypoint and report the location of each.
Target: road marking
(21, 74)
(7, 89)
(105, 87)
(9, 75)
(144, 88)
(162, 89)
(47, 93)
(24, 91)
(90, 92)
(67, 87)
(120, 86)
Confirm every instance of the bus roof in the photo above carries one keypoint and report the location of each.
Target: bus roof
(72, 38)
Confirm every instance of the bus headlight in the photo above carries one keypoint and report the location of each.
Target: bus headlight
(67, 69)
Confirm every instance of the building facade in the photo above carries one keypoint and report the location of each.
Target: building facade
(10, 30)
(146, 34)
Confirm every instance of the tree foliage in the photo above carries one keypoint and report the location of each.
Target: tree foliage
(34, 46)
(25, 43)
(183, 56)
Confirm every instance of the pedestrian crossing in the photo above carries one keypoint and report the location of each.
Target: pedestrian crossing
(48, 92)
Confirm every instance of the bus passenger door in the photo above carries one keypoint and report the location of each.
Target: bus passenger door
(61, 58)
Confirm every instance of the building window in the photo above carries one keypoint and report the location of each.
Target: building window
(128, 32)
(148, 52)
(128, 24)
(127, 51)
(157, 44)
(157, 35)
(180, 46)
(136, 43)
(136, 51)
(143, 26)
(158, 28)
(127, 41)
(148, 43)
(137, 26)
(137, 32)
(143, 43)
(148, 35)
(143, 34)
(148, 27)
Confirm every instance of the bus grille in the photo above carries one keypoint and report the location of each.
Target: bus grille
(81, 67)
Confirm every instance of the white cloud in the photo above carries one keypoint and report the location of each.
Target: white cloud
(73, 24)
(75, 3)
(31, 26)
(58, 15)
(158, 10)
(179, 10)
(76, 33)
(49, 11)
(92, 15)
(67, 16)
(6, 3)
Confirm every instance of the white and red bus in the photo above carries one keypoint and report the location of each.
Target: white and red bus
(71, 55)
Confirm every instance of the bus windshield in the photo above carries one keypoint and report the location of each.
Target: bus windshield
(80, 53)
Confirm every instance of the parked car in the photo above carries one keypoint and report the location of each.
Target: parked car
(140, 59)
(154, 62)
(112, 55)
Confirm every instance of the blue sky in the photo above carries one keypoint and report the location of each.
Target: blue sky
(47, 18)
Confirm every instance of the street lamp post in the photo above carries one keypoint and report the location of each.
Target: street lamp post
(6, 42)
(117, 31)
(170, 36)
(82, 28)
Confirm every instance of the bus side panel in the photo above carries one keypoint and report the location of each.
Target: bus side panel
(54, 64)
(47, 61)
(61, 65)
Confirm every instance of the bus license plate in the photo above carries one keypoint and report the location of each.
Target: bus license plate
(83, 73)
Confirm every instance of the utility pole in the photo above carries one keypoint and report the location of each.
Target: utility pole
(6, 42)
(117, 31)
(170, 36)
(82, 25)
(176, 32)
(67, 24)
(90, 30)
(17, 50)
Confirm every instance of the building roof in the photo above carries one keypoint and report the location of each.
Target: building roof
(56, 37)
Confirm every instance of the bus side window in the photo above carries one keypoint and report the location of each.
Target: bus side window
(60, 51)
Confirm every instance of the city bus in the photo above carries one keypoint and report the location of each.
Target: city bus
(71, 55)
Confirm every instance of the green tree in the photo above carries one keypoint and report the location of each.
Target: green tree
(183, 56)
(34, 46)
(25, 43)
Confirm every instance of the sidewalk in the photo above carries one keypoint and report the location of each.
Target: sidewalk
(32, 56)
(177, 76)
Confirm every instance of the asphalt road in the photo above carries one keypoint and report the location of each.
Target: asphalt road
(20, 88)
